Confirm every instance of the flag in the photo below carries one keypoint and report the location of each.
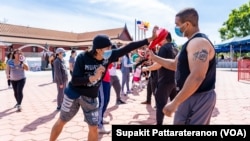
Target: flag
(146, 25)
(142, 28)
(140, 24)
(143, 25)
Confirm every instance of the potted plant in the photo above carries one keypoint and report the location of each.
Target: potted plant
(2, 65)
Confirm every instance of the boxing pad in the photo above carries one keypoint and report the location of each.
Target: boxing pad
(161, 35)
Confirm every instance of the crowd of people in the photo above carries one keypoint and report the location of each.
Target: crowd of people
(181, 81)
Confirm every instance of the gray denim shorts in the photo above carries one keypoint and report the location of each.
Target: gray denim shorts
(89, 107)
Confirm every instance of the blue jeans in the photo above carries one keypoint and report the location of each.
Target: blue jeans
(125, 80)
(104, 97)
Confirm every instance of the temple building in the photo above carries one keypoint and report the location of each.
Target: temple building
(32, 41)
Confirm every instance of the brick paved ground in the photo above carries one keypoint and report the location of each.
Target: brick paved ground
(39, 103)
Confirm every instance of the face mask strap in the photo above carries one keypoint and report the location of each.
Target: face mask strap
(184, 30)
(107, 54)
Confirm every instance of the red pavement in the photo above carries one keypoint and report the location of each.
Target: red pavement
(34, 123)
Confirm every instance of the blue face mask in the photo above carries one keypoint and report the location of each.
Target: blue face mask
(106, 54)
(64, 54)
(178, 31)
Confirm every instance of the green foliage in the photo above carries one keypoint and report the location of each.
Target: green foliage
(238, 23)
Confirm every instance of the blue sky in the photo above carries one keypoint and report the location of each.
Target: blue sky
(90, 15)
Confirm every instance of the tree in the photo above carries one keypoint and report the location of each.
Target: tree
(238, 23)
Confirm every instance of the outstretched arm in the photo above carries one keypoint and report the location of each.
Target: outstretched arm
(166, 63)
(7, 71)
(116, 53)
(25, 66)
(153, 67)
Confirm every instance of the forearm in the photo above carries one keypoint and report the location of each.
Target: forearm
(153, 67)
(191, 84)
(7, 71)
(25, 66)
(70, 67)
(166, 63)
(129, 47)
(93, 78)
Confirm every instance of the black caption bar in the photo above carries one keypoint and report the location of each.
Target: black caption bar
(217, 132)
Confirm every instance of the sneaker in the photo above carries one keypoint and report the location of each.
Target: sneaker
(122, 93)
(146, 102)
(129, 92)
(19, 108)
(118, 102)
(103, 131)
(16, 106)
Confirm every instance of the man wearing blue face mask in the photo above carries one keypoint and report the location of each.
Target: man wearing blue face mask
(195, 67)
(60, 75)
(82, 90)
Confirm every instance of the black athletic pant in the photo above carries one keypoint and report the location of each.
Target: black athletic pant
(18, 89)
(163, 92)
(151, 86)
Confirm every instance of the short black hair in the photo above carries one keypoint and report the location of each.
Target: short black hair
(169, 37)
(190, 15)
(73, 51)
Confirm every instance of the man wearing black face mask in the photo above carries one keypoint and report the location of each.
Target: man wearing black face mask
(195, 67)
(82, 90)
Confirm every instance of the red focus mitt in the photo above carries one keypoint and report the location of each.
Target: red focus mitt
(161, 35)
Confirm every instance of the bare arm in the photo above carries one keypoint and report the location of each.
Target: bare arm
(25, 66)
(153, 67)
(7, 71)
(166, 63)
(199, 54)
(71, 66)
